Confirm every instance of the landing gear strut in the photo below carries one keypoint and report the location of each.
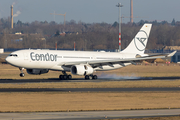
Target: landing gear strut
(22, 73)
(65, 76)
(90, 77)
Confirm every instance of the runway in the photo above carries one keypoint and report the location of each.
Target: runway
(89, 115)
(87, 89)
(83, 80)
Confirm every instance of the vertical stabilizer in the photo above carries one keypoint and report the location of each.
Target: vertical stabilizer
(138, 44)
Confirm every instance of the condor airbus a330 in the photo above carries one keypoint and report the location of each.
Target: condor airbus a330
(82, 62)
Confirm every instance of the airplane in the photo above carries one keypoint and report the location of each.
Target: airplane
(83, 63)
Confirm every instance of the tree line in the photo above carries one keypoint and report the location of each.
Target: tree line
(86, 36)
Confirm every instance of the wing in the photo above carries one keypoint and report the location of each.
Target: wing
(96, 63)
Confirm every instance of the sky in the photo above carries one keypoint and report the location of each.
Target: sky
(90, 11)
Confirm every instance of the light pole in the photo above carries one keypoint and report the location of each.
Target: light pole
(119, 5)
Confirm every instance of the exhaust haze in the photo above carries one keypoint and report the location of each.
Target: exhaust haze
(117, 77)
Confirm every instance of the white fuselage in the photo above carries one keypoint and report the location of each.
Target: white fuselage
(54, 59)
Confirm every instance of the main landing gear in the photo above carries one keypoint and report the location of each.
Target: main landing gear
(65, 76)
(90, 77)
(22, 73)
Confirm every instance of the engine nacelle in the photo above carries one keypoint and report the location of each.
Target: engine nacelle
(37, 71)
(81, 70)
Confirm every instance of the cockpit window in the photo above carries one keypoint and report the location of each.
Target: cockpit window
(15, 55)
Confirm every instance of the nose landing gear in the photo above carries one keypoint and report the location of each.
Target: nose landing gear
(22, 73)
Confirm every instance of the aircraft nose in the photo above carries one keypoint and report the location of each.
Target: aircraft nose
(7, 59)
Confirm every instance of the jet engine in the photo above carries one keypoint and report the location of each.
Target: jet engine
(81, 70)
(37, 71)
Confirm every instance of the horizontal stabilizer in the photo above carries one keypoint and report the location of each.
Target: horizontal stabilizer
(171, 54)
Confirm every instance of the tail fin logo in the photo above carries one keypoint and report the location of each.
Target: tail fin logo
(141, 40)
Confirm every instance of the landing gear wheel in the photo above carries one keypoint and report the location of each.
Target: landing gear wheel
(64, 77)
(69, 77)
(22, 74)
(94, 76)
(87, 77)
(60, 77)
(90, 77)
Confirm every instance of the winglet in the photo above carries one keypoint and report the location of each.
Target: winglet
(171, 54)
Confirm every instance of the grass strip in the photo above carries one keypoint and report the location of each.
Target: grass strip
(58, 101)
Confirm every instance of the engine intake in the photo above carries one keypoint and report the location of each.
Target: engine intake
(37, 71)
(81, 70)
